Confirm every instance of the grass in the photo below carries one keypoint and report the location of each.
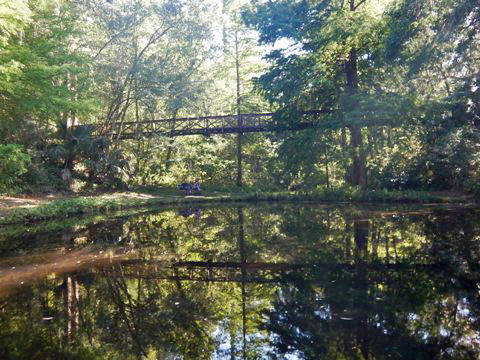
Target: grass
(105, 204)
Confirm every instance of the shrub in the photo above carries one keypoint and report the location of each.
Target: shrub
(42, 177)
(13, 163)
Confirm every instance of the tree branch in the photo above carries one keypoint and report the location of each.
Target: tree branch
(358, 5)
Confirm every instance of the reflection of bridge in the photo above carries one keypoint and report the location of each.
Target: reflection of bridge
(206, 271)
(202, 271)
(206, 125)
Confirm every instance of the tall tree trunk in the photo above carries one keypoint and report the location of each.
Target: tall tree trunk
(239, 117)
(359, 167)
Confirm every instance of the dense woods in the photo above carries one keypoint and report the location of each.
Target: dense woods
(398, 82)
(215, 174)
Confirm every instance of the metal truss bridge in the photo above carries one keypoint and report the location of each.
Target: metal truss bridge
(206, 125)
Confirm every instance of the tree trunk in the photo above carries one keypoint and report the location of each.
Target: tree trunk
(239, 117)
(359, 167)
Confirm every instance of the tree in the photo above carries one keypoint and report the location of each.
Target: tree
(240, 62)
(437, 45)
(46, 76)
(330, 64)
(15, 15)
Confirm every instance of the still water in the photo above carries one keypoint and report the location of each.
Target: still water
(247, 282)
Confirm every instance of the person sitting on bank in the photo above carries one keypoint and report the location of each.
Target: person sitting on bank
(190, 188)
(196, 186)
(185, 187)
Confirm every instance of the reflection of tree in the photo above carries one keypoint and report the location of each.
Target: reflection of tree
(71, 305)
(380, 312)
(338, 284)
(243, 260)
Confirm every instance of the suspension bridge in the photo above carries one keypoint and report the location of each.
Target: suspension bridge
(207, 125)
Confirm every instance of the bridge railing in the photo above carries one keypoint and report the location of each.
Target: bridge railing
(205, 125)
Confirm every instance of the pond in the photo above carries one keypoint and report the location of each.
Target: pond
(285, 281)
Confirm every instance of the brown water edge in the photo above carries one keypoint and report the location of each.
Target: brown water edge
(20, 272)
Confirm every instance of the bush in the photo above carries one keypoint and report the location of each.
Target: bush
(13, 163)
(42, 178)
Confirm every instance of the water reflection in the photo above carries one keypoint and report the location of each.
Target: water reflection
(307, 282)
(191, 211)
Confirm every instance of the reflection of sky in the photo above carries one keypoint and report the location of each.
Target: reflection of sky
(324, 312)
(222, 339)
(292, 356)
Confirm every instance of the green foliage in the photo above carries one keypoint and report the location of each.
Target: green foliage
(40, 346)
(46, 77)
(15, 16)
(13, 163)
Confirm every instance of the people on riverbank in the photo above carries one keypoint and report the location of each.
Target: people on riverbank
(190, 188)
